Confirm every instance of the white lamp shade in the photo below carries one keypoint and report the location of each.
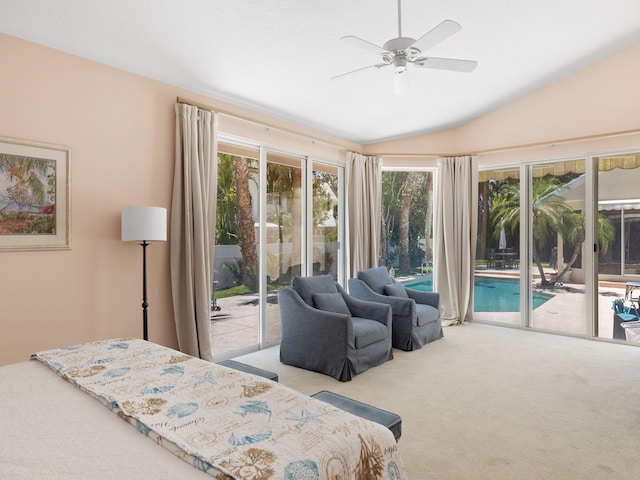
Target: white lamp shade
(144, 223)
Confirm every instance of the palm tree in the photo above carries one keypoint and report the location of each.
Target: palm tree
(246, 230)
(548, 210)
(573, 232)
(550, 215)
(226, 209)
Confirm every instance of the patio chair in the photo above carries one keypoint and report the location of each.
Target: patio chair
(416, 314)
(326, 330)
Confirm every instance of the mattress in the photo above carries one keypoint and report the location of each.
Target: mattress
(51, 430)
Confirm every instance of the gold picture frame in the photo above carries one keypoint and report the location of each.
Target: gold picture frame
(34, 195)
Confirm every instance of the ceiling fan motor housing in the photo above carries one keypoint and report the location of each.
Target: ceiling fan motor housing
(400, 46)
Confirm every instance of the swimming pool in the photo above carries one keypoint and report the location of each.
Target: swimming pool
(490, 294)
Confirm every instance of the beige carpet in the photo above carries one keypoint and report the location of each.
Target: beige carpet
(491, 402)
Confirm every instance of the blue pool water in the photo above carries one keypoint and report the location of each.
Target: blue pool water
(490, 294)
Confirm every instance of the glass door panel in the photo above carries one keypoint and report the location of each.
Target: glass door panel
(235, 316)
(326, 220)
(497, 272)
(618, 234)
(557, 234)
(284, 245)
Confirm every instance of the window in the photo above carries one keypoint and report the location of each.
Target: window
(406, 243)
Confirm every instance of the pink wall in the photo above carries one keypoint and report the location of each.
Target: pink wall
(120, 128)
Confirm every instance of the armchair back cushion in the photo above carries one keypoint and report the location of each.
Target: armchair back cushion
(308, 286)
(377, 278)
(396, 290)
(331, 302)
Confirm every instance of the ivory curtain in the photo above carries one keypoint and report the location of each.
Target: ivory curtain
(193, 213)
(364, 199)
(456, 226)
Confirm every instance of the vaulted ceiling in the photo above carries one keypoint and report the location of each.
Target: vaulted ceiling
(278, 56)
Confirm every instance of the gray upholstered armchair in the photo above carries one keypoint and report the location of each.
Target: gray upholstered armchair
(326, 330)
(416, 314)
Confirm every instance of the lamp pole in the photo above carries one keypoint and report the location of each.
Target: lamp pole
(145, 304)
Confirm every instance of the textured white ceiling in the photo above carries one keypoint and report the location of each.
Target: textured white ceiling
(277, 56)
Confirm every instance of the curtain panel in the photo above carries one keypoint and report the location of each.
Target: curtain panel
(456, 226)
(193, 213)
(364, 199)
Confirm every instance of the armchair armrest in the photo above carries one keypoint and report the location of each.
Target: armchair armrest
(400, 306)
(379, 311)
(426, 298)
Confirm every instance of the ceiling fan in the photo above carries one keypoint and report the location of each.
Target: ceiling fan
(402, 51)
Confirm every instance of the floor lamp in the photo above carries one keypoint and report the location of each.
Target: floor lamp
(144, 224)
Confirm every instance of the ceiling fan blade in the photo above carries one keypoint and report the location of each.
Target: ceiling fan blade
(377, 65)
(437, 35)
(359, 42)
(453, 64)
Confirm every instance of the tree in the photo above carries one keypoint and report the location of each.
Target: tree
(407, 191)
(550, 215)
(246, 230)
(406, 218)
(547, 207)
(573, 232)
(226, 211)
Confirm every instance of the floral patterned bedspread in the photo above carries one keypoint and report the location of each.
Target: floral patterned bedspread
(230, 424)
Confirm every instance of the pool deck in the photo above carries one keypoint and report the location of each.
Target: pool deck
(565, 312)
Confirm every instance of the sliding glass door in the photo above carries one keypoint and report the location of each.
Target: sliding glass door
(531, 228)
(235, 312)
(283, 239)
(497, 273)
(618, 237)
(577, 259)
(278, 215)
(557, 231)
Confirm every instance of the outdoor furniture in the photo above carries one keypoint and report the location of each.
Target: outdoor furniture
(326, 330)
(625, 315)
(508, 258)
(495, 259)
(390, 420)
(416, 314)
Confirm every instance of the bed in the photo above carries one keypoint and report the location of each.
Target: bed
(220, 422)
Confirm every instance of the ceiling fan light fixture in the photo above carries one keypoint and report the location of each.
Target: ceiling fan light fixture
(400, 80)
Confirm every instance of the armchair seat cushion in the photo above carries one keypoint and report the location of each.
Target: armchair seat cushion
(367, 332)
(426, 314)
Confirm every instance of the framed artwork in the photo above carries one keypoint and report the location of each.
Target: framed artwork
(34, 196)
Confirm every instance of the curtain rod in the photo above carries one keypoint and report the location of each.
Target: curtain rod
(260, 124)
(513, 147)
